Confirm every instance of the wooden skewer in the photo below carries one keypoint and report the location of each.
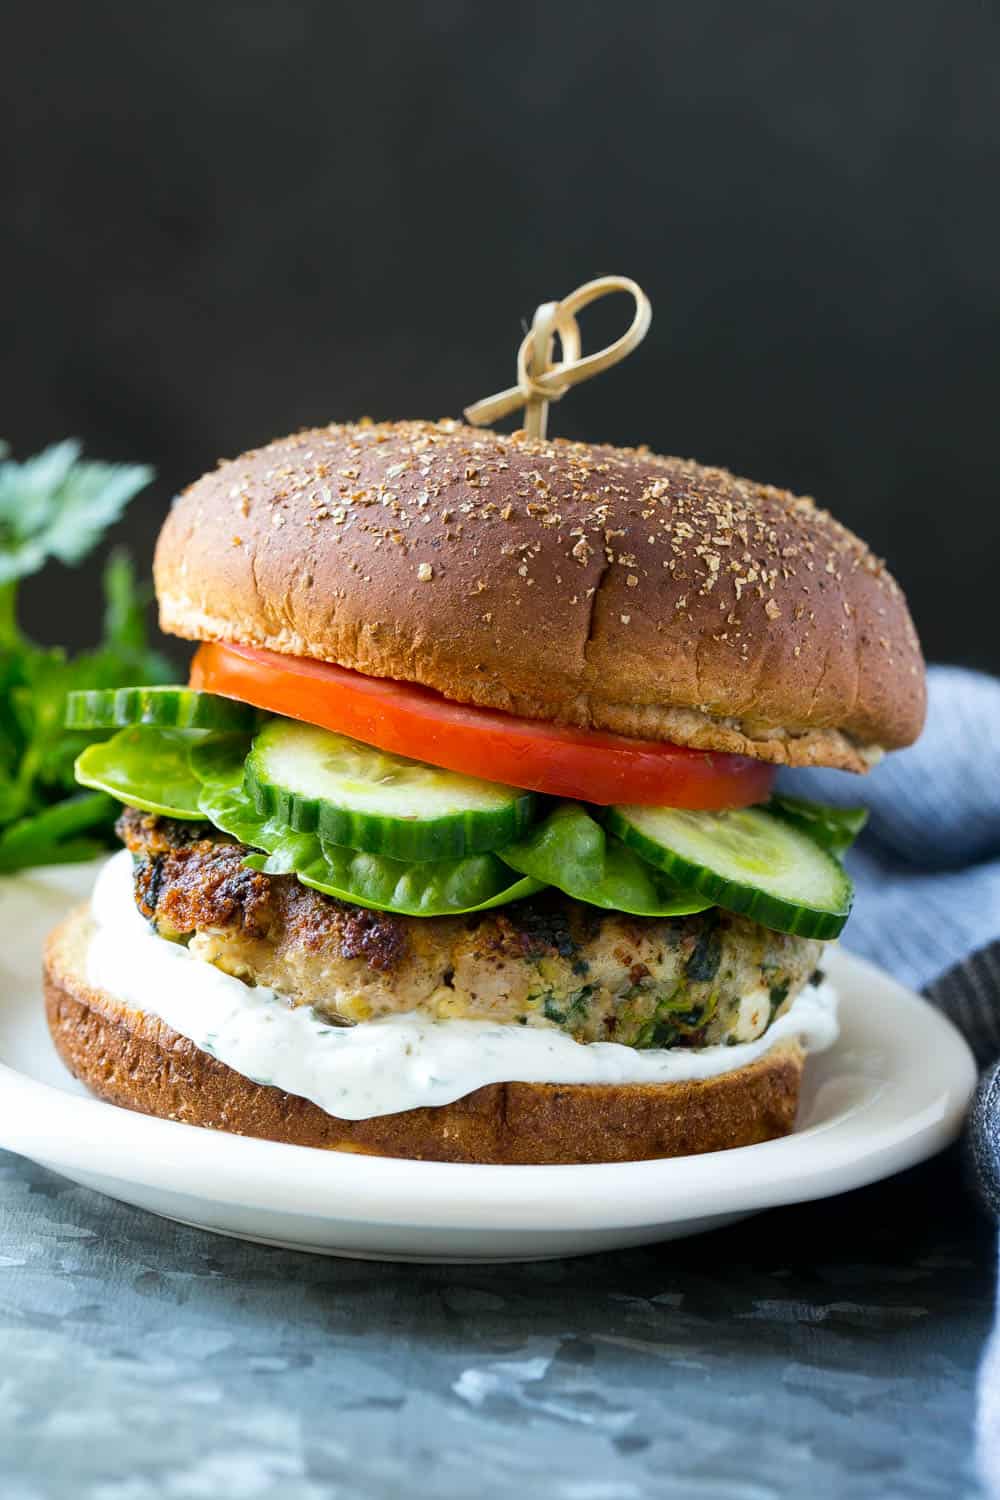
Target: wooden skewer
(539, 378)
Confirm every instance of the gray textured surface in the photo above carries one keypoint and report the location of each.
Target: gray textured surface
(821, 1351)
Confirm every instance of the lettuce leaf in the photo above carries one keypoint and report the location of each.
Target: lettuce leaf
(570, 850)
(833, 828)
(147, 768)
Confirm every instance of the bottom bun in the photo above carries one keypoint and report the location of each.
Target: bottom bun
(134, 1059)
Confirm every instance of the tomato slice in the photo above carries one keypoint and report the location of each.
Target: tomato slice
(584, 764)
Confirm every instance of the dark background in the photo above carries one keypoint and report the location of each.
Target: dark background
(224, 221)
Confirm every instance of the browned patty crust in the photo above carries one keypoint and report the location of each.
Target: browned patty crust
(550, 961)
(190, 878)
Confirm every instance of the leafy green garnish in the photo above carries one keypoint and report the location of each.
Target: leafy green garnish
(569, 849)
(56, 506)
(64, 833)
(833, 828)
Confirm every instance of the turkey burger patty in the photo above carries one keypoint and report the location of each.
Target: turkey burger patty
(548, 961)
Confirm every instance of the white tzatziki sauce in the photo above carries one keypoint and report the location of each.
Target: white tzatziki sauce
(397, 1062)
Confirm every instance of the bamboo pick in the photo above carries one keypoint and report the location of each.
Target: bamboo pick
(540, 379)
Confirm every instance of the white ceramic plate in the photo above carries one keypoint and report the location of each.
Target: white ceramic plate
(891, 1092)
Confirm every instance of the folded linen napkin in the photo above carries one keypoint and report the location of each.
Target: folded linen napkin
(927, 871)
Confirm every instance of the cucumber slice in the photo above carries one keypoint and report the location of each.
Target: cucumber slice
(162, 707)
(746, 861)
(358, 797)
(428, 888)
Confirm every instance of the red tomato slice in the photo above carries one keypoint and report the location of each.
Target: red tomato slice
(584, 764)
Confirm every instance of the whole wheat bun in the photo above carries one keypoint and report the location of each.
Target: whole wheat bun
(133, 1059)
(594, 586)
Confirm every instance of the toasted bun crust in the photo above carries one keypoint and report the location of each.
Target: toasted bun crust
(135, 1060)
(596, 586)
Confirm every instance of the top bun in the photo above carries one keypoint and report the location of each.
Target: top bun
(596, 586)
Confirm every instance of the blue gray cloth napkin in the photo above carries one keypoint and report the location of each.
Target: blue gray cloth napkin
(927, 871)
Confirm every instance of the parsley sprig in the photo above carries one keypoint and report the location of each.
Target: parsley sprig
(58, 506)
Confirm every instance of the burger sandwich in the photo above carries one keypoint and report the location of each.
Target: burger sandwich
(462, 842)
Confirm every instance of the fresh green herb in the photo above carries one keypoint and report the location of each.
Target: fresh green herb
(57, 506)
(54, 505)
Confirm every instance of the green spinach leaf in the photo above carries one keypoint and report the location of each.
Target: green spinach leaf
(569, 849)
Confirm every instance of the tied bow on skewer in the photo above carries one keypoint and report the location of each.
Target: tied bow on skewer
(540, 379)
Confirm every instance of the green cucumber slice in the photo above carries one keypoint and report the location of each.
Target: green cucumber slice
(357, 797)
(431, 888)
(164, 707)
(745, 860)
(147, 768)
